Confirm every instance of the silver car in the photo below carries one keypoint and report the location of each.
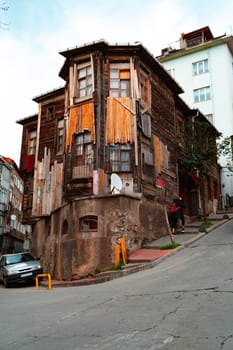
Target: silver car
(19, 267)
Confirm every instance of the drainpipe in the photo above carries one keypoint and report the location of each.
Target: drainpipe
(34, 206)
(177, 167)
(197, 171)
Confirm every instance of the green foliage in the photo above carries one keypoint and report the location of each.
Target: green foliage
(118, 267)
(203, 146)
(169, 246)
(200, 146)
(225, 148)
(207, 223)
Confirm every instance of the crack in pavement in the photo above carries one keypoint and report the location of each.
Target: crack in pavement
(225, 340)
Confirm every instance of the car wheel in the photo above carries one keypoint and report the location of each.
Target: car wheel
(5, 282)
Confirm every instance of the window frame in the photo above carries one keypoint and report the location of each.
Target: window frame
(119, 85)
(60, 136)
(32, 135)
(88, 223)
(84, 148)
(210, 117)
(200, 67)
(145, 88)
(202, 94)
(120, 157)
(50, 111)
(86, 80)
(161, 155)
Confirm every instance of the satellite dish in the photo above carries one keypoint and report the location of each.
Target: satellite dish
(116, 184)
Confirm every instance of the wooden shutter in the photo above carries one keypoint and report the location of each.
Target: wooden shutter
(157, 153)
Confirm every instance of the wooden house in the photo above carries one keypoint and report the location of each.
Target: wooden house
(106, 157)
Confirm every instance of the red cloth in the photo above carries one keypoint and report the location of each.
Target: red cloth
(28, 163)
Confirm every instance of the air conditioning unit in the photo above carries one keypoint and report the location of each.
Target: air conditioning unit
(127, 186)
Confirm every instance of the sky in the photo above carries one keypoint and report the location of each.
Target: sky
(33, 32)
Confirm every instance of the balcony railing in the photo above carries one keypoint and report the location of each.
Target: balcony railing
(2, 207)
(82, 171)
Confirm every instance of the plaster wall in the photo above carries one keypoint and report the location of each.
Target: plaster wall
(67, 252)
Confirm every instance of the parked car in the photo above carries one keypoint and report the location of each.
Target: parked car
(19, 267)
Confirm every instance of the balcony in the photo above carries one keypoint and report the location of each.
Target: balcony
(2, 207)
(82, 171)
(4, 229)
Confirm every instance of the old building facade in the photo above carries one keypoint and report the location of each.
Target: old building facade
(14, 236)
(118, 122)
(202, 65)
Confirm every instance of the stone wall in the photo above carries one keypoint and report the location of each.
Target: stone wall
(68, 252)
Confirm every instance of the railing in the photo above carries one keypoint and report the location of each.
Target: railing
(82, 171)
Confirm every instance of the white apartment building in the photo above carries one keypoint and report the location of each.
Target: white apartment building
(203, 66)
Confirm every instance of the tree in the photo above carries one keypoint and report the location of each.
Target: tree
(225, 149)
(4, 8)
(200, 151)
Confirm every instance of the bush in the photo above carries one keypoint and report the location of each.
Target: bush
(207, 223)
(170, 246)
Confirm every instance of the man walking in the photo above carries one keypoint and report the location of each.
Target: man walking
(180, 214)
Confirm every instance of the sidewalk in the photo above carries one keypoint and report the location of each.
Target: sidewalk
(150, 254)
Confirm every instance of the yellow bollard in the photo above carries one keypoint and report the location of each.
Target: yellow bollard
(123, 250)
(44, 275)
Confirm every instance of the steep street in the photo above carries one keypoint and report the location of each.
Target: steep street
(185, 302)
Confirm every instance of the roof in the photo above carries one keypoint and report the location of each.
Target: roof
(28, 119)
(9, 163)
(118, 49)
(205, 31)
(208, 42)
(5, 162)
(204, 118)
(48, 94)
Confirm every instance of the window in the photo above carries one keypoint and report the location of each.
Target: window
(84, 148)
(119, 157)
(64, 227)
(146, 124)
(145, 88)
(88, 223)
(180, 130)
(119, 81)
(60, 131)
(3, 195)
(202, 94)
(195, 41)
(164, 156)
(32, 143)
(84, 80)
(147, 160)
(210, 117)
(50, 113)
(171, 71)
(200, 67)
(161, 154)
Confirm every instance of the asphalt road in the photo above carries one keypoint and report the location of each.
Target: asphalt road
(185, 302)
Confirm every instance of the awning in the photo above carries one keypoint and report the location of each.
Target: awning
(196, 179)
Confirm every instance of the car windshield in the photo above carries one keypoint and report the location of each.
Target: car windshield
(18, 258)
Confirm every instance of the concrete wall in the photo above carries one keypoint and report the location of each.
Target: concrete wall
(67, 252)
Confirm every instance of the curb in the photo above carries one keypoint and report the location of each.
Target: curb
(110, 275)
